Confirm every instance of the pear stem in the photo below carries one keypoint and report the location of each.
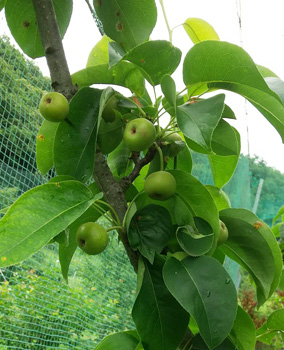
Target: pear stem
(137, 105)
(158, 148)
(117, 221)
(167, 22)
(114, 228)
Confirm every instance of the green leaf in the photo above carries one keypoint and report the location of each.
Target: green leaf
(118, 159)
(197, 121)
(231, 68)
(38, 216)
(198, 199)
(150, 230)
(252, 245)
(2, 4)
(199, 344)
(45, 145)
(199, 30)
(266, 72)
(124, 74)
(243, 331)
(160, 321)
(222, 167)
(21, 19)
(276, 85)
(128, 23)
(225, 141)
(197, 238)
(278, 215)
(116, 52)
(110, 134)
(155, 59)
(228, 113)
(123, 340)
(276, 320)
(221, 199)
(99, 54)
(168, 87)
(202, 287)
(271, 327)
(75, 143)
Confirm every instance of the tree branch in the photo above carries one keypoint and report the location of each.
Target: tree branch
(53, 48)
(114, 195)
(126, 181)
(61, 82)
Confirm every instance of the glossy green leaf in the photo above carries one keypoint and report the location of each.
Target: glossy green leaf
(116, 52)
(202, 286)
(118, 160)
(225, 141)
(278, 215)
(155, 59)
(160, 321)
(99, 54)
(168, 87)
(123, 340)
(221, 199)
(197, 121)
(276, 320)
(110, 135)
(228, 113)
(243, 332)
(231, 68)
(39, 215)
(198, 343)
(75, 143)
(265, 335)
(150, 230)
(252, 244)
(45, 145)
(123, 74)
(21, 19)
(276, 85)
(198, 199)
(222, 167)
(199, 30)
(197, 238)
(128, 23)
(266, 72)
(2, 4)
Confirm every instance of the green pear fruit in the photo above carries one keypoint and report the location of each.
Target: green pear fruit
(54, 107)
(92, 238)
(160, 185)
(224, 233)
(139, 134)
(173, 148)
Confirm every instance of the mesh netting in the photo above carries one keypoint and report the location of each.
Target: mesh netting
(37, 309)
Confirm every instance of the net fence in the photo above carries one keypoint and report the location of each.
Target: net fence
(37, 309)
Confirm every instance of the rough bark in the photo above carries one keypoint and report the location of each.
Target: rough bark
(61, 82)
(53, 48)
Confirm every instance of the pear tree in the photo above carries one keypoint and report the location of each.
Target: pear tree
(113, 142)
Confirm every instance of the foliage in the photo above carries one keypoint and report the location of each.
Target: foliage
(38, 308)
(170, 291)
